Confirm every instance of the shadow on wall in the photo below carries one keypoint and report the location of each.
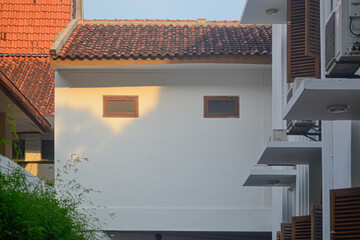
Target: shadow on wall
(170, 155)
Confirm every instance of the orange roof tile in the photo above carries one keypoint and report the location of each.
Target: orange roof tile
(34, 77)
(30, 26)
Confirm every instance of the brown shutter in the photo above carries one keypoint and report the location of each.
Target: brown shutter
(278, 235)
(316, 222)
(303, 41)
(301, 228)
(345, 213)
(312, 34)
(286, 231)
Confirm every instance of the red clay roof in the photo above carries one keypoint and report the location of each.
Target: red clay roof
(30, 26)
(34, 77)
(150, 39)
(16, 96)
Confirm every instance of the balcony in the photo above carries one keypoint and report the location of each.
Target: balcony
(324, 99)
(285, 153)
(270, 178)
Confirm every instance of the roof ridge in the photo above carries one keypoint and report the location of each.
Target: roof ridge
(166, 22)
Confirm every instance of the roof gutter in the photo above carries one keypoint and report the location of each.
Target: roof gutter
(23, 103)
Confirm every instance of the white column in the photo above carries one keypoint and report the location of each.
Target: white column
(315, 183)
(336, 163)
(355, 154)
(278, 75)
(302, 190)
(279, 195)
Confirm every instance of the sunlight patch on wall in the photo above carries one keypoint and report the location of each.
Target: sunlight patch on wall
(90, 100)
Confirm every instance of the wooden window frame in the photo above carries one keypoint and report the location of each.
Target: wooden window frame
(133, 114)
(301, 227)
(344, 208)
(286, 231)
(303, 39)
(316, 222)
(221, 115)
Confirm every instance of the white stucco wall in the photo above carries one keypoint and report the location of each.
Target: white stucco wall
(170, 169)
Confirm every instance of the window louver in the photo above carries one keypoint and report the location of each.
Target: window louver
(312, 26)
(303, 39)
(278, 235)
(301, 227)
(330, 40)
(286, 231)
(345, 213)
(316, 222)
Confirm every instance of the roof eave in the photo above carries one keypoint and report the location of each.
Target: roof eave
(227, 59)
(23, 103)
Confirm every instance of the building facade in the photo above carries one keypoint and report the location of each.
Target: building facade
(315, 73)
(170, 115)
(27, 31)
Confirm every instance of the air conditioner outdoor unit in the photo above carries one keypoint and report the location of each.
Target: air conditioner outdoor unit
(278, 135)
(342, 39)
(294, 86)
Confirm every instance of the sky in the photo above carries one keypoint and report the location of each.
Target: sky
(164, 9)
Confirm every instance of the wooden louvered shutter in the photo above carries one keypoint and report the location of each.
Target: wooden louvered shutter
(286, 231)
(316, 222)
(301, 227)
(312, 28)
(278, 235)
(303, 39)
(345, 213)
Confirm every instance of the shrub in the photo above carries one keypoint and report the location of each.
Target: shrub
(34, 210)
(31, 209)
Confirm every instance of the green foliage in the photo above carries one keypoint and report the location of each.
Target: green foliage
(15, 138)
(34, 210)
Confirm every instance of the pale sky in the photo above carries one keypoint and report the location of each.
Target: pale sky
(164, 9)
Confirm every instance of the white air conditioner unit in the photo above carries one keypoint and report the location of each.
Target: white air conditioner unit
(293, 87)
(342, 39)
(278, 135)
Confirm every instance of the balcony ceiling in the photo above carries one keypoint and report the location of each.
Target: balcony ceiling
(254, 12)
(290, 153)
(311, 99)
(270, 178)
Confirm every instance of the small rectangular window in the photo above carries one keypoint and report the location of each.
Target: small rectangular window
(221, 106)
(47, 149)
(121, 106)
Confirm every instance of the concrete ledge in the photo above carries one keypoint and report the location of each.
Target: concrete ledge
(150, 219)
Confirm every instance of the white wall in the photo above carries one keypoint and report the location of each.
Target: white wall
(170, 169)
(355, 154)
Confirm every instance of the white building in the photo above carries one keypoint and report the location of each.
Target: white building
(172, 116)
(318, 41)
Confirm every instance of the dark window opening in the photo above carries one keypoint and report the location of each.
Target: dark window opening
(221, 106)
(47, 149)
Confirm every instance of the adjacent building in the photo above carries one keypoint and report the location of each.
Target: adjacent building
(315, 69)
(171, 116)
(27, 31)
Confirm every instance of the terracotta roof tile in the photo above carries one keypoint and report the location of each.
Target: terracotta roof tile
(30, 26)
(34, 77)
(154, 38)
